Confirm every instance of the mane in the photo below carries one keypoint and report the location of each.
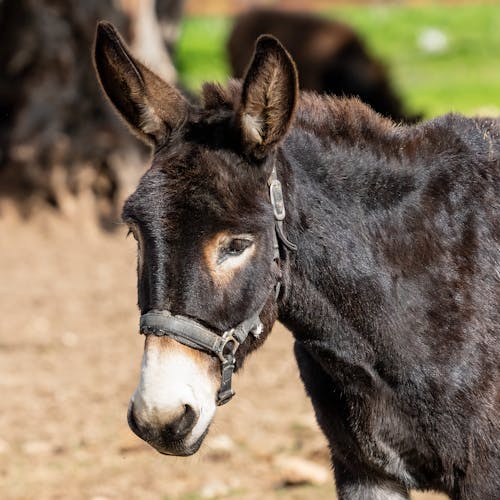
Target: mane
(215, 96)
(348, 121)
(320, 114)
(345, 115)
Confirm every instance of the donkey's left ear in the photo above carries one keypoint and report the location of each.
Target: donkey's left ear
(269, 96)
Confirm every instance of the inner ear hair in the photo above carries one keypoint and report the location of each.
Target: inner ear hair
(269, 96)
(151, 106)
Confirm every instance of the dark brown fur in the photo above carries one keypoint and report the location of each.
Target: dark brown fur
(393, 294)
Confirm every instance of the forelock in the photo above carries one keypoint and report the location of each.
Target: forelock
(214, 96)
(205, 180)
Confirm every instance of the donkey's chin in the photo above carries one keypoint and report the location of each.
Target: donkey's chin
(180, 449)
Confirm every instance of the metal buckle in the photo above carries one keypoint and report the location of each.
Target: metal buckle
(276, 194)
(227, 338)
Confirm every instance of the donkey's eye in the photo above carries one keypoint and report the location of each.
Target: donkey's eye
(236, 246)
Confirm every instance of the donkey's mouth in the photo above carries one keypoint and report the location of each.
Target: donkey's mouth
(179, 448)
(176, 448)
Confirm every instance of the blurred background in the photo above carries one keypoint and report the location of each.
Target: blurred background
(69, 352)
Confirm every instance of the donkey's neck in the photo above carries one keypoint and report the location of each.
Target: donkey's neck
(339, 189)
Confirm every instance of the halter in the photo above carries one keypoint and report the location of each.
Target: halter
(193, 334)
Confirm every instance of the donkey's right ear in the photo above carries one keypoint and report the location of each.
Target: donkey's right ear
(151, 106)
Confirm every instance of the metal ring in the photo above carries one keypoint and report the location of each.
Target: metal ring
(228, 337)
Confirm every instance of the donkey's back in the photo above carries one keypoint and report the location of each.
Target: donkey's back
(402, 363)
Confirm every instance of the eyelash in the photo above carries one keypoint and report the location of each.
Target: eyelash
(236, 247)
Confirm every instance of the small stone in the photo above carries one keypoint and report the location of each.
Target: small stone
(298, 471)
(214, 489)
(220, 446)
(37, 447)
(69, 339)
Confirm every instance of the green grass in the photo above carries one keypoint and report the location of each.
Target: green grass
(201, 53)
(464, 78)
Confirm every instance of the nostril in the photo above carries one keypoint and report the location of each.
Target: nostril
(182, 426)
(187, 421)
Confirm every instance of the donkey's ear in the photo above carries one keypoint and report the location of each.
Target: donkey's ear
(151, 106)
(268, 98)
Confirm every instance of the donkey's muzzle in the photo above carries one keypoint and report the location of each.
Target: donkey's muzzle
(167, 437)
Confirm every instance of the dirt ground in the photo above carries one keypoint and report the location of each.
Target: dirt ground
(69, 361)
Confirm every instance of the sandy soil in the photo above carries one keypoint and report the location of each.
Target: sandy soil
(69, 360)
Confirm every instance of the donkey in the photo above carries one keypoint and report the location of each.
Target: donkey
(385, 266)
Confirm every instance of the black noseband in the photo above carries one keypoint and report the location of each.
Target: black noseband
(190, 332)
(193, 334)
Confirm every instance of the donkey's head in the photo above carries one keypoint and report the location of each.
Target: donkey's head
(205, 227)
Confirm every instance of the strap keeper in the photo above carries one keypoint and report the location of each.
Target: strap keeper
(225, 391)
